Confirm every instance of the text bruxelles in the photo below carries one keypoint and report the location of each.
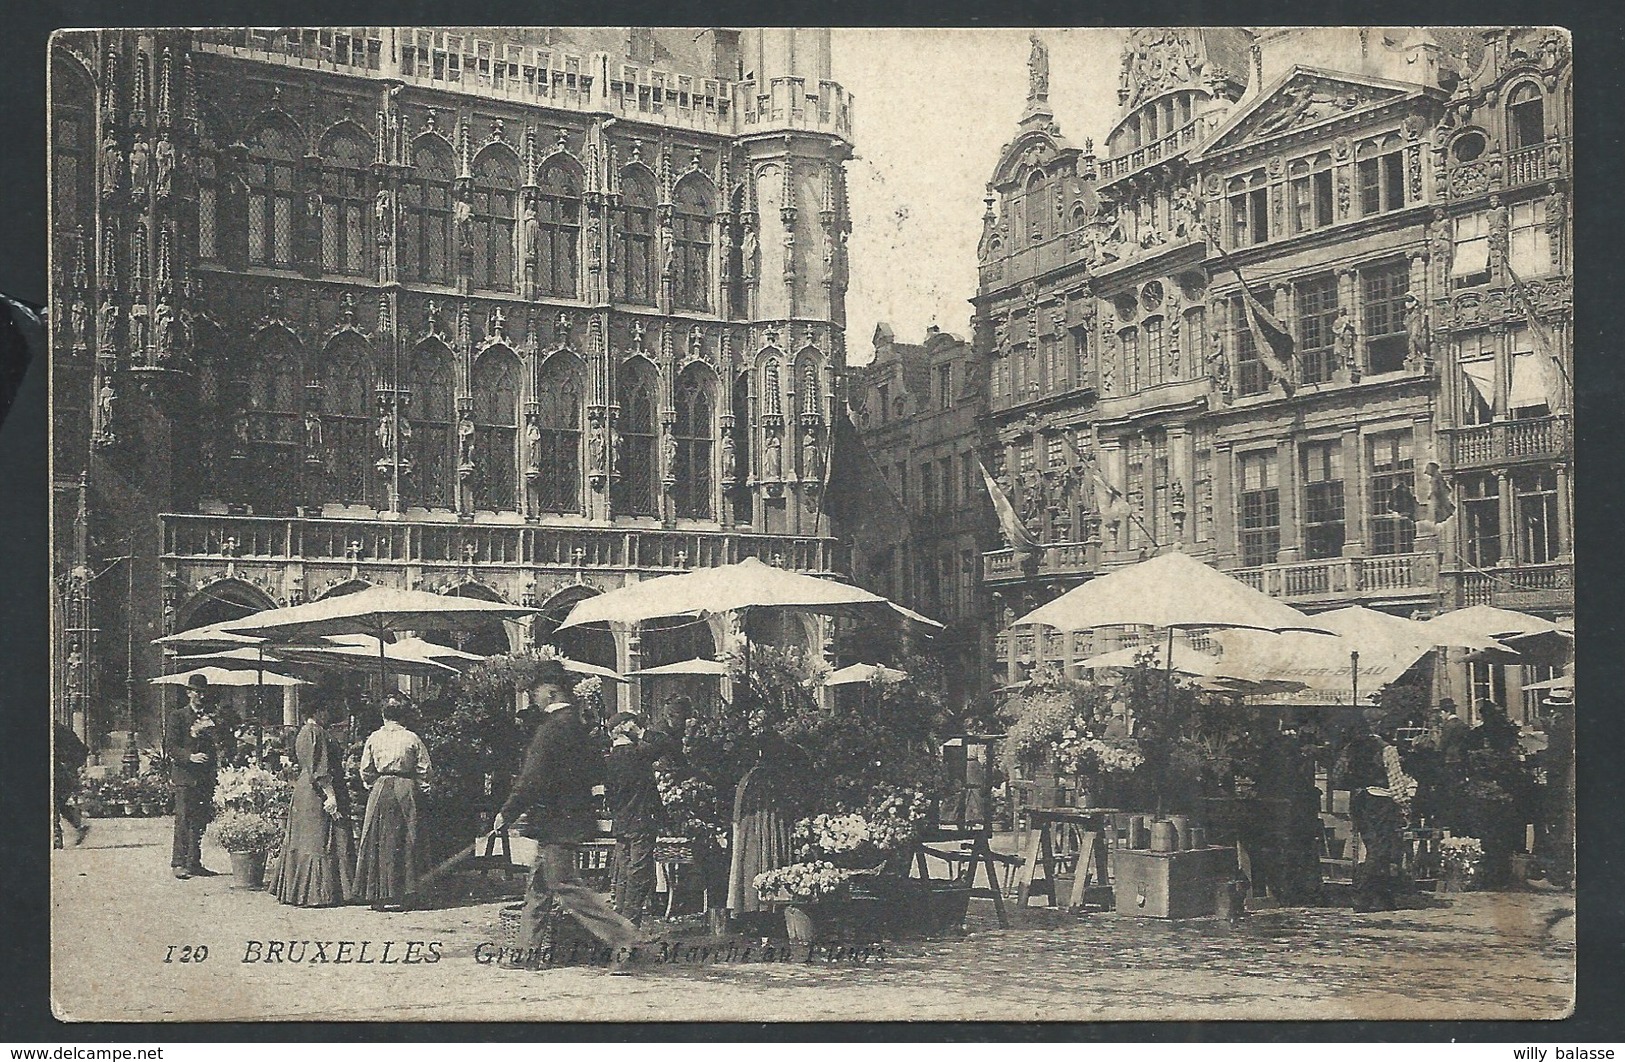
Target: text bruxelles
(310, 952)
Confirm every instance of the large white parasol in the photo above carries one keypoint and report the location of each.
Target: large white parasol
(220, 676)
(378, 611)
(684, 667)
(856, 673)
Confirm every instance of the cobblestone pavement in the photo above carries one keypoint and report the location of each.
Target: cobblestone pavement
(116, 911)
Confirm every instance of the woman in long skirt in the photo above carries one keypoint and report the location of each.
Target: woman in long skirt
(317, 866)
(395, 769)
(766, 806)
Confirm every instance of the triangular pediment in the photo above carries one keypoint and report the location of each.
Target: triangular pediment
(1299, 100)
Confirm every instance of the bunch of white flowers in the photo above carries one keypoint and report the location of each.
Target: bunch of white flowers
(802, 882)
(831, 835)
(251, 789)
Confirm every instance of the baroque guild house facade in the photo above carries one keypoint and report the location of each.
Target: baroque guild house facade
(517, 314)
(1396, 201)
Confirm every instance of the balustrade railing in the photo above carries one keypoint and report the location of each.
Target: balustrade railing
(1402, 573)
(1508, 440)
(1058, 558)
(188, 536)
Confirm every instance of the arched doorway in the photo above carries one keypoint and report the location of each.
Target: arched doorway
(490, 640)
(221, 602)
(590, 645)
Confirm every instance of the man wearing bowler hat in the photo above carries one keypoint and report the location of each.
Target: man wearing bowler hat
(634, 801)
(193, 755)
(555, 787)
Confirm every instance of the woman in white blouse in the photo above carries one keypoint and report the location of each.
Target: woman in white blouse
(395, 769)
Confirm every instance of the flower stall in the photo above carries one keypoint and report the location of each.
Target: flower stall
(251, 811)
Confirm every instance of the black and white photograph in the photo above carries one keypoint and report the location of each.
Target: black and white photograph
(650, 524)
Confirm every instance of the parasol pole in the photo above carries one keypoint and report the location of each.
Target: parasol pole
(1354, 677)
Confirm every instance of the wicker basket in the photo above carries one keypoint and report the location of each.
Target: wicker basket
(564, 941)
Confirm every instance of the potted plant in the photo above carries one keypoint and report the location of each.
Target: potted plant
(804, 887)
(1462, 860)
(247, 838)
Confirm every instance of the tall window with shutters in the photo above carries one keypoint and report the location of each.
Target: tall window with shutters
(639, 431)
(634, 279)
(425, 213)
(496, 429)
(1470, 253)
(692, 223)
(269, 169)
(1529, 242)
(1309, 193)
(346, 204)
(1156, 351)
(1251, 376)
(1526, 116)
(1324, 515)
(495, 189)
(695, 428)
(558, 217)
(1317, 310)
(1380, 171)
(347, 423)
(1392, 492)
(1260, 508)
(434, 426)
(1385, 288)
(1481, 519)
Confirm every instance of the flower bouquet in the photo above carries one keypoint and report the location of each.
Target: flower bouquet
(803, 883)
(252, 789)
(1461, 859)
(841, 840)
(247, 837)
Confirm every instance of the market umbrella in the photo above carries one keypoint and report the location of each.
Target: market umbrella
(379, 611)
(1366, 624)
(361, 651)
(219, 676)
(213, 636)
(684, 667)
(1335, 665)
(855, 673)
(1173, 591)
(1525, 639)
(1209, 672)
(581, 667)
(727, 588)
(1561, 682)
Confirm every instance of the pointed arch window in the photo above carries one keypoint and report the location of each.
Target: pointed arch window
(270, 430)
(496, 180)
(558, 215)
(347, 424)
(345, 203)
(434, 427)
(639, 437)
(691, 237)
(559, 418)
(496, 429)
(635, 277)
(696, 401)
(269, 170)
(425, 213)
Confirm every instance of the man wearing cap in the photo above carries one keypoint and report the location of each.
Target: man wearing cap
(634, 801)
(555, 787)
(193, 754)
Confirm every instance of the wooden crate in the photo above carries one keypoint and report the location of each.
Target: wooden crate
(1170, 884)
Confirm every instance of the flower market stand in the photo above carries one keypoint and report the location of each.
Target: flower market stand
(1179, 884)
(974, 854)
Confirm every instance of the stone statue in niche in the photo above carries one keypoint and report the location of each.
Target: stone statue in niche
(749, 252)
(531, 231)
(241, 433)
(163, 328)
(533, 447)
(386, 435)
(730, 456)
(668, 445)
(465, 443)
(112, 163)
(668, 252)
(811, 459)
(773, 466)
(1218, 365)
(597, 449)
(140, 158)
(313, 436)
(164, 166)
(1183, 208)
(1345, 336)
(595, 242)
(462, 217)
(78, 324)
(106, 399)
(1416, 334)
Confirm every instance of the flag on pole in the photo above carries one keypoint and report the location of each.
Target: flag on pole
(1015, 532)
(1554, 379)
(1115, 506)
(1277, 350)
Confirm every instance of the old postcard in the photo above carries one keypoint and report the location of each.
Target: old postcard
(786, 524)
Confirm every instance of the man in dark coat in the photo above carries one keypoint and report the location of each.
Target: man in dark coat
(193, 758)
(69, 758)
(554, 789)
(634, 801)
